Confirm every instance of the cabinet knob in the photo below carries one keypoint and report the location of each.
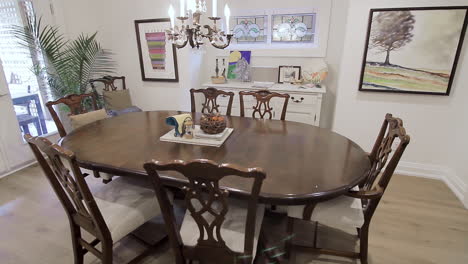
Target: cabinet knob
(297, 100)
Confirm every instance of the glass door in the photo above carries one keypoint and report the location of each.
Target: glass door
(27, 90)
(22, 93)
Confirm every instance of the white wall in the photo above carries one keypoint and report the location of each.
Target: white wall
(437, 124)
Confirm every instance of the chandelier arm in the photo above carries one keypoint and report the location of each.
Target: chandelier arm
(179, 46)
(229, 36)
(190, 36)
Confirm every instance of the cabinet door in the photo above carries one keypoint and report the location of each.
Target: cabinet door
(304, 108)
(307, 118)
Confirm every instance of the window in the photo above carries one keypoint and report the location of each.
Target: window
(273, 28)
(249, 29)
(27, 90)
(293, 28)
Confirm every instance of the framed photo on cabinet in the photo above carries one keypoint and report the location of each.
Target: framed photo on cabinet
(289, 74)
(413, 50)
(157, 55)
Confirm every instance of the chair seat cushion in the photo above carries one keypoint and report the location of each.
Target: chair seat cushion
(339, 212)
(117, 100)
(232, 230)
(126, 204)
(87, 118)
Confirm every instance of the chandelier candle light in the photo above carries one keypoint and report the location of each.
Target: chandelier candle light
(184, 34)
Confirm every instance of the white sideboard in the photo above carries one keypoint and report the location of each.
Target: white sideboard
(304, 103)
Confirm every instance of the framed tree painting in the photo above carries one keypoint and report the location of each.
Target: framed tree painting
(413, 50)
(158, 56)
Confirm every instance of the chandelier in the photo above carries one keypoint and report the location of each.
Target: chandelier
(190, 30)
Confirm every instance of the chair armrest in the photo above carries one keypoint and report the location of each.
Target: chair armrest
(376, 192)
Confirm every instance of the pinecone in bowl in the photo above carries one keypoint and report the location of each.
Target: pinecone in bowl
(212, 123)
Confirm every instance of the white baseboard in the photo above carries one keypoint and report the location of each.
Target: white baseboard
(28, 164)
(445, 174)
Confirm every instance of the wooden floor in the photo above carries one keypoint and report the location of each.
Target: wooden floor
(419, 221)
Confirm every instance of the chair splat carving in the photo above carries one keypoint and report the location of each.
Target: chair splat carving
(214, 203)
(392, 128)
(262, 107)
(210, 104)
(109, 83)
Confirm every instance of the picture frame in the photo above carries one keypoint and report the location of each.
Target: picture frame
(157, 55)
(288, 74)
(418, 63)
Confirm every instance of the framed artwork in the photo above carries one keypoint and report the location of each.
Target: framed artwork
(239, 65)
(288, 74)
(158, 56)
(413, 50)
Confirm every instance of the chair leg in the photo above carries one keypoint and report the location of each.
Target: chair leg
(289, 233)
(107, 253)
(78, 252)
(96, 174)
(364, 243)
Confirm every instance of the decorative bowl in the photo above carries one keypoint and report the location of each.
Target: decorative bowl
(212, 123)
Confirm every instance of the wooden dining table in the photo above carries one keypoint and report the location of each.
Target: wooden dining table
(303, 163)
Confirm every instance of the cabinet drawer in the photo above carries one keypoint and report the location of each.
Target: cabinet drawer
(302, 103)
(302, 99)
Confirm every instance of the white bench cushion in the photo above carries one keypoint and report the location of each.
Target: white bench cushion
(339, 212)
(125, 205)
(232, 230)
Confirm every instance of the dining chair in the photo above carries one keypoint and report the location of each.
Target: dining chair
(76, 104)
(357, 206)
(114, 99)
(108, 214)
(211, 95)
(228, 229)
(262, 107)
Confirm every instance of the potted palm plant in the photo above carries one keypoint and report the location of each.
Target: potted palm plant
(63, 66)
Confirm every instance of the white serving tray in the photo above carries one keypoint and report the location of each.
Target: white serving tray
(198, 133)
(202, 141)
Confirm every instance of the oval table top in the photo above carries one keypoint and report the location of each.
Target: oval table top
(303, 163)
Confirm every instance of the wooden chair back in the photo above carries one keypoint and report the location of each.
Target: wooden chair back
(262, 107)
(381, 159)
(76, 104)
(210, 105)
(109, 83)
(74, 195)
(203, 185)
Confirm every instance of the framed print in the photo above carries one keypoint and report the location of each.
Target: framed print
(288, 74)
(413, 50)
(158, 56)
